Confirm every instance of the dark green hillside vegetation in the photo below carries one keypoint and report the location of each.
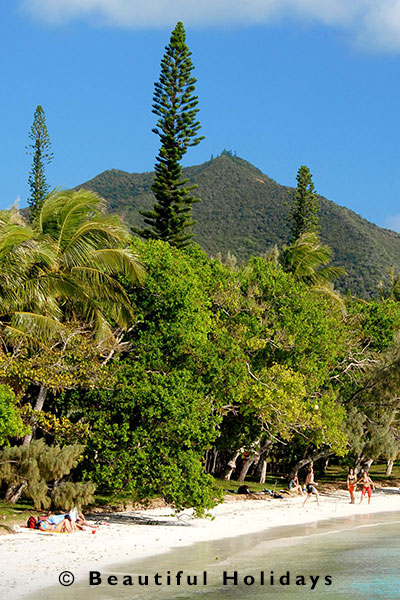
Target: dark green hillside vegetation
(245, 212)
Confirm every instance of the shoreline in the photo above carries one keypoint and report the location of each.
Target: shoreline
(34, 560)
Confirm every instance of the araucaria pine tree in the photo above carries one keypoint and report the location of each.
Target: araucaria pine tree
(304, 210)
(176, 108)
(40, 150)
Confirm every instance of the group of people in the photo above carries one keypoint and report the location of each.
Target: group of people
(352, 481)
(310, 486)
(62, 523)
(367, 485)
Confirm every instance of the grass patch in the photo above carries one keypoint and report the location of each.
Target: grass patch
(15, 514)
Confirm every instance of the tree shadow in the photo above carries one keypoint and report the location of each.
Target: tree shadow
(129, 519)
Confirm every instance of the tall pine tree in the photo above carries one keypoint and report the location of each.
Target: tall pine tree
(305, 206)
(40, 150)
(176, 108)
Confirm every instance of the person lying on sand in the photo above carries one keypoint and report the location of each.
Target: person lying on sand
(79, 519)
(58, 524)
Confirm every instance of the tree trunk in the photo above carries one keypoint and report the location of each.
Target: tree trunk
(309, 460)
(389, 467)
(326, 464)
(231, 466)
(248, 463)
(214, 463)
(367, 464)
(211, 461)
(358, 463)
(14, 492)
(38, 407)
(207, 462)
(263, 472)
(246, 467)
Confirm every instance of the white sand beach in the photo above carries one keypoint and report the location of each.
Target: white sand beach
(31, 560)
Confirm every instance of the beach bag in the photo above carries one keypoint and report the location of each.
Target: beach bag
(32, 522)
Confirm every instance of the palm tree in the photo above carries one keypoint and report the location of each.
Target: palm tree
(22, 257)
(87, 251)
(307, 258)
(65, 267)
(393, 292)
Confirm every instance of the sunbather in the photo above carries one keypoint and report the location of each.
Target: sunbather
(58, 524)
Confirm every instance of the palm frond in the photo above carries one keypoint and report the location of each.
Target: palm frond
(107, 291)
(65, 266)
(35, 328)
(120, 261)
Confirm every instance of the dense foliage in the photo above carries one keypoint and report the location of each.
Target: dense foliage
(218, 363)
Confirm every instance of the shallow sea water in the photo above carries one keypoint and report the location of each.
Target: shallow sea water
(358, 555)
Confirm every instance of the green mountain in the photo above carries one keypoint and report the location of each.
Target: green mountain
(244, 212)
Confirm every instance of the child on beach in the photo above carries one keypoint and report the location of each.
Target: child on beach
(310, 486)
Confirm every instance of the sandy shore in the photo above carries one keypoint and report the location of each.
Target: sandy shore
(30, 560)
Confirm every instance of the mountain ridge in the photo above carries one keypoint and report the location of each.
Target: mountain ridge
(245, 212)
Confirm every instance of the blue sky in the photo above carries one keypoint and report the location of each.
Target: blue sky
(281, 82)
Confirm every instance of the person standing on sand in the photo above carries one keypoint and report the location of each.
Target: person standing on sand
(351, 484)
(310, 486)
(366, 489)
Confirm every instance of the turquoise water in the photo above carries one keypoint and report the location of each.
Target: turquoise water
(353, 558)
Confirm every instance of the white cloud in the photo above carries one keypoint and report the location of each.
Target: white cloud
(372, 23)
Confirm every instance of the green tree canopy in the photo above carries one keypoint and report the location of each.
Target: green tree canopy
(150, 433)
(11, 424)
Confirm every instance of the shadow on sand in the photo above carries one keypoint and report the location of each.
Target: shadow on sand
(168, 520)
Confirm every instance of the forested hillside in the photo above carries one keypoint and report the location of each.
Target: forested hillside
(244, 212)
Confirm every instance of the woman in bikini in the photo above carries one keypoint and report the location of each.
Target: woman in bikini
(57, 524)
(366, 489)
(351, 484)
